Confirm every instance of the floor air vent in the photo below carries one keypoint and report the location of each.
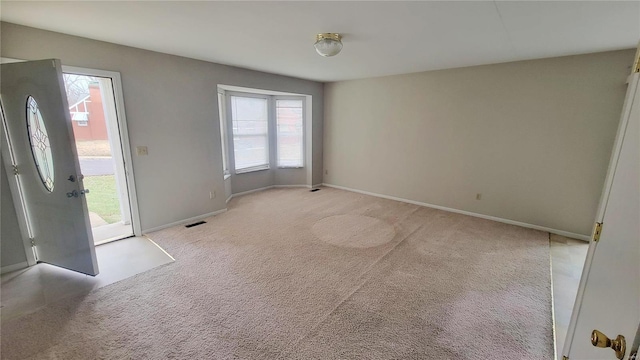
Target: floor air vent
(195, 224)
(314, 190)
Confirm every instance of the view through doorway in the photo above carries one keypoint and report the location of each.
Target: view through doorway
(93, 110)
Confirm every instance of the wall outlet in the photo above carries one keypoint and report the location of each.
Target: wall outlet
(142, 150)
(212, 194)
(478, 196)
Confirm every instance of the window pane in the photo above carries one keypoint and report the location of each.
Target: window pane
(250, 132)
(290, 133)
(250, 151)
(246, 108)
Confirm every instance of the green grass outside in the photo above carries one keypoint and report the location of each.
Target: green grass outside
(102, 198)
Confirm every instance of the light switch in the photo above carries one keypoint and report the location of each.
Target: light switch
(142, 150)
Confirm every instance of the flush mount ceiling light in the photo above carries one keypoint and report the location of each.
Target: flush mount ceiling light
(328, 44)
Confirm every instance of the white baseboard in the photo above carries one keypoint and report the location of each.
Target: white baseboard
(250, 191)
(185, 221)
(265, 188)
(469, 213)
(14, 267)
(316, 185)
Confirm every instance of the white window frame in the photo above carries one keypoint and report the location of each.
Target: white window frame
(121, 119)
(231, 145)
(307, 118)
(304, 121)
(224, 138)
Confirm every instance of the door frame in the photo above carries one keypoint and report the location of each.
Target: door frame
(16, 193)
(632, 85)
(14, 186)
(124, 136)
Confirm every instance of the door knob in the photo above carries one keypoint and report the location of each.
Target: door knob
(73, 193)
(619, 344)
(85, 191)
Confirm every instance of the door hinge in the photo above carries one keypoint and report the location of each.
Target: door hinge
(15, 170)
(597, 231)
(565, 357)
(33, 242)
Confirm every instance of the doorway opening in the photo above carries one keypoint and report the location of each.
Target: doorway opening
(98, 134)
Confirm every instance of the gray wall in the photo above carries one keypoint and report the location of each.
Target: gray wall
(11, 247)
(171, 107)
(263, 178)
(533, 137)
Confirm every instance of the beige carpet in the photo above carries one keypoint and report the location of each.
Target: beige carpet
(291, 274)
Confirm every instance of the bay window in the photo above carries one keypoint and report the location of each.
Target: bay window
(266, 131)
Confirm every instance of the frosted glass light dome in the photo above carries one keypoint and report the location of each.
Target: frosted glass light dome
(328, 44)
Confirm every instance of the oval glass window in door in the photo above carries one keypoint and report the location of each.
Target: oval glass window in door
(40, 147)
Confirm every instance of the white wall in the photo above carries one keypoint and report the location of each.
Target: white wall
(533, 137)
(227, 188)
(171, 107)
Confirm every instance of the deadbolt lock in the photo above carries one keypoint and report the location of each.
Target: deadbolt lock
(619, 344)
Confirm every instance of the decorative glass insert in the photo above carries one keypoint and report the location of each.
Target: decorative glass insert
(40, 147)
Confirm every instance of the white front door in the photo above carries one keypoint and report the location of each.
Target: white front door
(609, 294)
(38, 126)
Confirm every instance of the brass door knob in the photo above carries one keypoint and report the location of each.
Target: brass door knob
(619, 345)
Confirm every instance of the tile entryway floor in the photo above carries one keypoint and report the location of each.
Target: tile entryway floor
(27, 290)
(567, 260)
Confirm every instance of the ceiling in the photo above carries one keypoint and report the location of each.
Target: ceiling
(380, 38)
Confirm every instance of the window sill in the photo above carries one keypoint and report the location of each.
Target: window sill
(253, 169)
(227, 176)
(290, 167)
